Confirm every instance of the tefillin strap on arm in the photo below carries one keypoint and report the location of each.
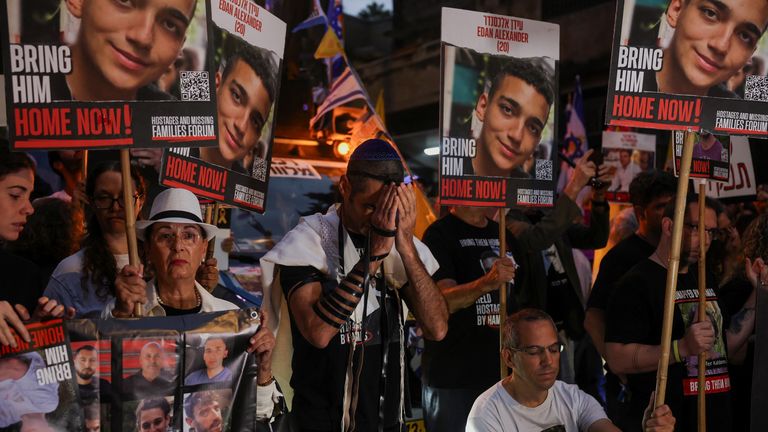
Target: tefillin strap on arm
(366, 259)
(333, 307)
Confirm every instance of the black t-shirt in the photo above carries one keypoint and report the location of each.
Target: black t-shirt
(622, 257)
(22, 282)
(172, 311)
(468, 356)
(319, 374)
(636, 316)
(96, 391)
(563, 305)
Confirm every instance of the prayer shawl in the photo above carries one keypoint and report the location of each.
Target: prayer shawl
(314, 242)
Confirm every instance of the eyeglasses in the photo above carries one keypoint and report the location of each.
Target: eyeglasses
(187, 237)
(711, 232)
(104, 202)
(536, 350)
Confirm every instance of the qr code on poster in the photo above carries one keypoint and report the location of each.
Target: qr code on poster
(195, 86)
(543, 169)
(259, 170)
(756, 88)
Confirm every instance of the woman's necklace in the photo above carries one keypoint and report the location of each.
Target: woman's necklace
(198, 299)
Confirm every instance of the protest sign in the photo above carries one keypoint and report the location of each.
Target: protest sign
(162, 371)
(249, 48)
(498, 106)
(628, 154)
(711, 155)
(37, 381)
(95, 75)
(741, 174)
(668, 74)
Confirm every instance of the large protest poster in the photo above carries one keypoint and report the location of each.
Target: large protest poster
(740, 181)
(711, 155)
(160, 373)
(628, 154)
(498, 105)
(37, 389)
(107, 74)
(249, 49)
(682, 65)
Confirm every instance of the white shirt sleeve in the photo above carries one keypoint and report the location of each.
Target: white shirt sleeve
(589, 409)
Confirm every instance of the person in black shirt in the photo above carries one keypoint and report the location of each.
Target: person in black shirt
(92, 389)
(466, 244)
(345, 275)
(633, 329)
(649, 193)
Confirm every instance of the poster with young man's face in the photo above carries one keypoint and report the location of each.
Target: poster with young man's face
(497, 110)
(249, 45)
(95, 74)
(690, 64)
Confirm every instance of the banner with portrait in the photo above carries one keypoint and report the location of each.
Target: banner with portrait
(85, 74)
(711, 155)
(740, 182)
(156, 373)
(690, 65)
(498, 109)
(249, 43)
(37, 386)
(627, 154)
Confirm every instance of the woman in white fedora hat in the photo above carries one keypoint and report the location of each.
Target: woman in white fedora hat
(175, 240)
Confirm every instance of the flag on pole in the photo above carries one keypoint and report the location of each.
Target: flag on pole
(575, 139)
(336, 22)
(317, 17)
(329, 46)
(346, 89)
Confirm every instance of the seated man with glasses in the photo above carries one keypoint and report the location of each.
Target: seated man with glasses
(531, 398)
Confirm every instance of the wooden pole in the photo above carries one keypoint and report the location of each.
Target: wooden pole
(502, 290)
(84, 165)
(130, 218)
(672, 268)
(702, 305)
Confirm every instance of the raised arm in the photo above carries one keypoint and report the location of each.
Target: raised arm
(420, 293)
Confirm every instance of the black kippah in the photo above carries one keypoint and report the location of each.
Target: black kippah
(375, 150)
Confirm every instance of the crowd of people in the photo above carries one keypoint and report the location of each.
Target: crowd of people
(351, 277)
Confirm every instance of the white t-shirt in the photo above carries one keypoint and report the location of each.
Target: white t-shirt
(566, 408)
